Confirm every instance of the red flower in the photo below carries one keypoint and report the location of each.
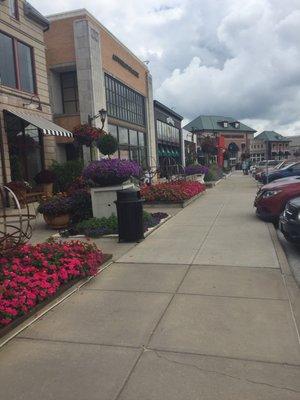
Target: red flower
(172, 192)
(34, 273)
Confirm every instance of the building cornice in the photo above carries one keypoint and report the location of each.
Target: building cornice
(85, 13)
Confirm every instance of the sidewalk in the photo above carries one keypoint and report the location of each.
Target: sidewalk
(200, 310)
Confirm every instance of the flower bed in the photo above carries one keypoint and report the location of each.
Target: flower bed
(34, 274)
(97, 227)
(172, 192)
(109, 172)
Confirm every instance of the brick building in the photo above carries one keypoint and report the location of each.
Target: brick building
(27, 135)
(90, 69)
(269, 145)
(232, 134)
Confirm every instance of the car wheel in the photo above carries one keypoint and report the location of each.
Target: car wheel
(290, 239)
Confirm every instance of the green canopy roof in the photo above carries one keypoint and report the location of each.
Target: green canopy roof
(271, 136)
(214, 123)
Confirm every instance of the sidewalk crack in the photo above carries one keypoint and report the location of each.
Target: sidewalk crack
(211, 371)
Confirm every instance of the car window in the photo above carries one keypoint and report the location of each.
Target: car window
(296, 168)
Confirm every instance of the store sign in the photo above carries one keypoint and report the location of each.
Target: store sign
(125, 65)
(170, 121)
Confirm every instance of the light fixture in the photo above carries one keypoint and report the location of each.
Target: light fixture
(34, 104)
(101, 114)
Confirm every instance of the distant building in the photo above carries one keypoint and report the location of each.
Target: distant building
(232, 136)
(269, 145)
(294, 146)
(168, 134)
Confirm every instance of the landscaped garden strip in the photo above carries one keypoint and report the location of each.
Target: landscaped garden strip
(35, 273)
(172, 192)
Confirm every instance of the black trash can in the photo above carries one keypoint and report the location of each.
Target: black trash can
(130, 215)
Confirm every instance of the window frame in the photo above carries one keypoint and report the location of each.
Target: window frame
(76, 101)
(16, 15)
(15, 42)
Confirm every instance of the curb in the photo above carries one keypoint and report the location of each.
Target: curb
(282, 258)
(68, 293)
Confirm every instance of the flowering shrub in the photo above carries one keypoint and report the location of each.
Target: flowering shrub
(172, 192)
(35, 273)
(107, 172)
(55, 206)
(45, 176)
(196, 169)
(86, 134)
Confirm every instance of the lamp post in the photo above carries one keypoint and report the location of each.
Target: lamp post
(102, 115)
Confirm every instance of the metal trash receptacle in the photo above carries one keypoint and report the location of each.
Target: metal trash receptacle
(130, 215)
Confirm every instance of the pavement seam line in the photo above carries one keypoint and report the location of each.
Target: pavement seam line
(51, 306)
(208, 232)
(159, 355)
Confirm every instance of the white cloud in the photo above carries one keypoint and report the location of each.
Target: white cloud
(231, 57)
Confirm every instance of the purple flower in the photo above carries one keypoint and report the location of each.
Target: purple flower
(196, 169)
(109, 172)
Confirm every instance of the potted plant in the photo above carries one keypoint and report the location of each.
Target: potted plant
(56, 211)
(107, 145)
(87, 135)
(108, 172)
(196, 172)
(46, 178)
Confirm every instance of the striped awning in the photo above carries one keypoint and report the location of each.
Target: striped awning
(46, 126)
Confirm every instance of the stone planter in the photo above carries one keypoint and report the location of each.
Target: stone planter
(103, 199)
(58, 222)
(48, 189)
(198, 178)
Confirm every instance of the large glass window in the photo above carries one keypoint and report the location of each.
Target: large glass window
(7, 64)
(25, 68)
(134, 148)
(124, 103)
(13, 53)
(25, 144)
(13, 8)
(167, 132)
(69, 89)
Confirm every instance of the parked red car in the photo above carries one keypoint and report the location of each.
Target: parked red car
(271, 199)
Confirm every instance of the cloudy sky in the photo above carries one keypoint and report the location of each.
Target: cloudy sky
(239, 58)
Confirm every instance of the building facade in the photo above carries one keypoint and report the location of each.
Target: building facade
(231, 135)
(27, 135)
(294, 146)
(90, 69)
(168, 135)
(269, 145)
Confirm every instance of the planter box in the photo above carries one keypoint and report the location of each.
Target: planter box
(103, 199)
(198, 178)
(180, 204)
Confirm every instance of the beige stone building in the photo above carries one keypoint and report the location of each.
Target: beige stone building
(90, 69)
(27, 135)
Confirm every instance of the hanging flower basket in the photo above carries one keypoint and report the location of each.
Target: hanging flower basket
(87, 135)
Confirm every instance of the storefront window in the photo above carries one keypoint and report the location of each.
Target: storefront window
(25, 144)
(113, 130)
(123, 135)
(124, 153)
(133, 137)
(141, 139)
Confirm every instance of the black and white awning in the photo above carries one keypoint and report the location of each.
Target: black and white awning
(46, 126)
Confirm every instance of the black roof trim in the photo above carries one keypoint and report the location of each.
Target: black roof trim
(35, 15)
(167, 109)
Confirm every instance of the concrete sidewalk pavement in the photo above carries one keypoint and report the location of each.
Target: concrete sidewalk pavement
(200, 310)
